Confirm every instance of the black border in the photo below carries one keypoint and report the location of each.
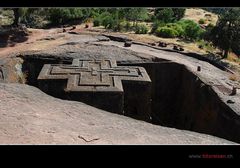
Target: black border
(117, 154)
(118, 3)
(139, 154)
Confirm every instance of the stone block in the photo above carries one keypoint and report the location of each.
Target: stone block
(95, 82)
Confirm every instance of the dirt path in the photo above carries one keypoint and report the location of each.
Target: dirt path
(29, 44)
(40, 39)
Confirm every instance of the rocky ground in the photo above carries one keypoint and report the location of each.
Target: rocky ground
(29, 116)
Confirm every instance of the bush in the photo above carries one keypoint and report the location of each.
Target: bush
(184, 28)
(128, 26)
(178, 13)
(64, 15)
(178, 28)
(156, 25)
(210, 26)
(123, 26)
(208, 32)
(192, 30)
(168, 15)
(141, 29)
(97, 22)
(34, 18)
(204, 44)
(166, 32)
(165, 15)
(134, 14)
(184, 23)
(118, 26)
(201, 21)
(108, 22)
(170, 30)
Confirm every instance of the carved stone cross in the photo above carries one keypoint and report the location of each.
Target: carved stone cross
(100, 83)
(93, 75)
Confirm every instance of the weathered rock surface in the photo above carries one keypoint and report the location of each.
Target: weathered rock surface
(29, 116)
(39, 118)
(90, 47)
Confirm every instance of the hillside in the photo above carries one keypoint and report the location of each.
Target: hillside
(196, 14)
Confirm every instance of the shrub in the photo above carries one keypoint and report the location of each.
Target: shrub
(108, 22)
(141, 29)
(97, 21)
(128, 26)
(166, 32)
(88, 20)
(208, 32)
(156, 25)
(210, 26)
(134, 14)
(178, 13)
(184, 23)
(34, 17)
(192, 30)
(204, 44)
(118, 26)
(123, 26)
(64, 15)
(178, 28)
(166, 15)
(201, 21)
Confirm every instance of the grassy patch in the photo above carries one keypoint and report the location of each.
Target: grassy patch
(233, 77)
(233, 58)
(205, 45)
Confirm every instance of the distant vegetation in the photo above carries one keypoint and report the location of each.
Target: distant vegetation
(162, 22)
(218, 11)
(226, 34)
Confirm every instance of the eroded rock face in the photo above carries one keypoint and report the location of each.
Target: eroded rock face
(1, 74)
(37, 118)
(181, 99)
(11, 70)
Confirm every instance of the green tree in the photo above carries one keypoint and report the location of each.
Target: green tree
(166, 32)
(192, 30)
(16, 13)
(177, 27)
(108, 22)
(141, 29)
(33, 17)
(165, 15)
(178, 13)
(168, 15)
(225, 34)
(64, 15)
(135, 14)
